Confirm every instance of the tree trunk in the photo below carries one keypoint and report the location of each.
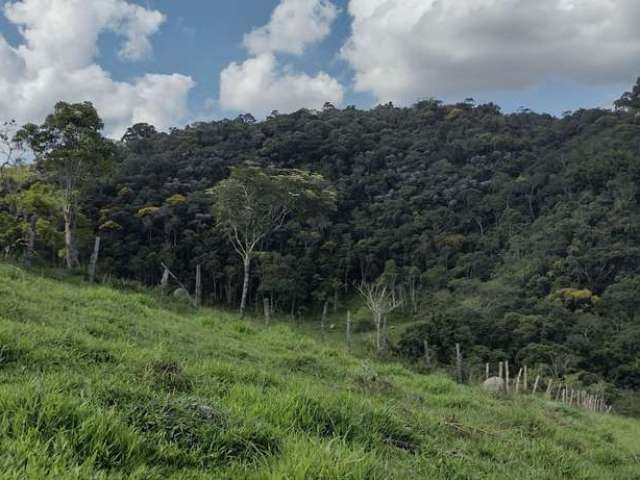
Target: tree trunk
(31, 241)
(94, 260)
(71, 251)
(385, 338)
(246, 260)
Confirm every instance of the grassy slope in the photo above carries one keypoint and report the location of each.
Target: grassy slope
(99, 383)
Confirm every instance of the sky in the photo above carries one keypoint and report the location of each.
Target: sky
(173, 62)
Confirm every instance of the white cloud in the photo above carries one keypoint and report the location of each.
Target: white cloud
(257, 86)
(56, 61)
(261, 84)
(402, 50)
(294, 24)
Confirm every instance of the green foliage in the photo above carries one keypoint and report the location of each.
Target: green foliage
(147, 211)
(176, 199)
(253, 203)
(68, 146)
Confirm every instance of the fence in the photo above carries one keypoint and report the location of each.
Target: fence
(555, 389)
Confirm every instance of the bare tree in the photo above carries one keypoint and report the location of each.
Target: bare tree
(381, 300)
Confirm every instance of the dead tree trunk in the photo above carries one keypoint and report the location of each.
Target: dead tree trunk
(380, 301)
(385, 333)
(93, 262)
(378, 320)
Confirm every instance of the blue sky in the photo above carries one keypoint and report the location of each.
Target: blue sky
(402, 50)
(201, 37)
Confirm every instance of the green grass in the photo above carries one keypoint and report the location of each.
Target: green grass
(97, 383)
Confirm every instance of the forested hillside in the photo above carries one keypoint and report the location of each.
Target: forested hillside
(515, 235)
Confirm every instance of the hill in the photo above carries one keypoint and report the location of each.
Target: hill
(106, 383)
(515, 235)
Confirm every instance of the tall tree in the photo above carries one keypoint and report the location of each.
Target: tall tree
(254, 203)
(69, 149)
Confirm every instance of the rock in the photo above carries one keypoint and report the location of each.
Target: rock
(493, 384)
(182, 295)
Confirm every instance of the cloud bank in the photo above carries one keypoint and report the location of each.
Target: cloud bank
(261, 84)
(402, 50)
(294, 24)
(56, 61)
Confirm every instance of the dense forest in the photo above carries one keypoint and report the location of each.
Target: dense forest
(516, 235)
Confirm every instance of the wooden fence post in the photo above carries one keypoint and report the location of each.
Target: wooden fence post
(459, 364)
(506, 374)
(266, 305)
(323, 320)
(486, 371)
(169, 272)
(535, 384)
(164, 281)
(518, 380)
(525, 385)
(349, 330)
(549, 385)
(427, 355)
(93, 262)
(500, 368)
(198, 285)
